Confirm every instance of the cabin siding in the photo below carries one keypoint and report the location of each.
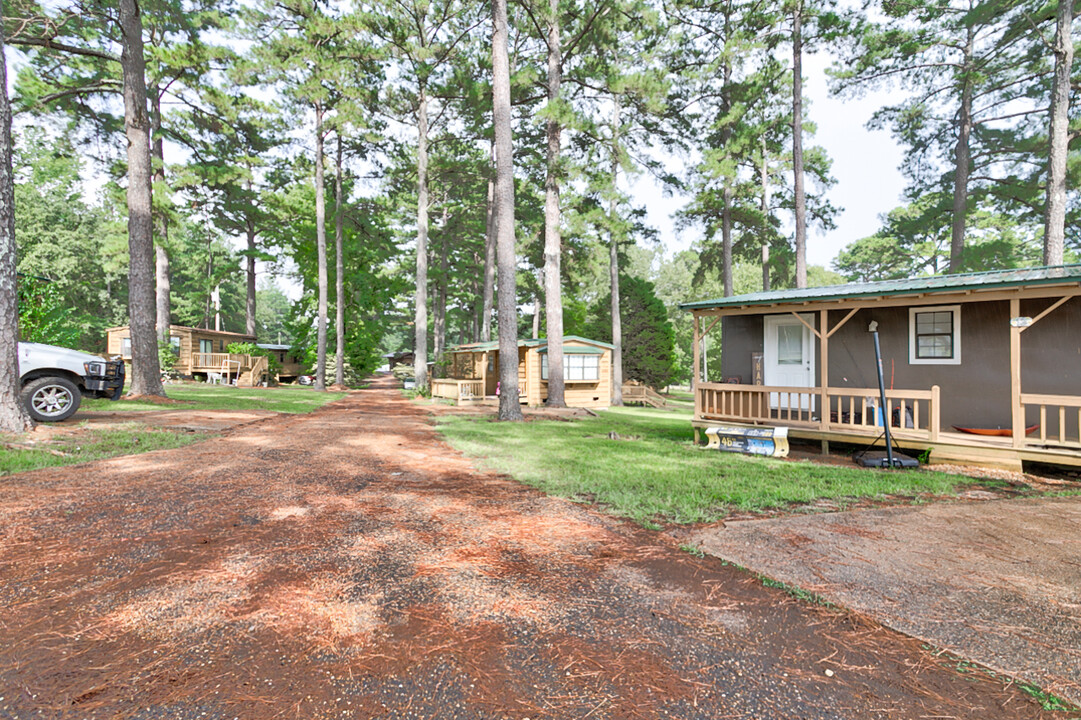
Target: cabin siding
(189, 342)
(975, 393)
(533, 390)
(588, 395)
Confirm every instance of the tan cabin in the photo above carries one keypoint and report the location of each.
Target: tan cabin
(201, 354)
(979, 368)
(473, 372)
(291, 367)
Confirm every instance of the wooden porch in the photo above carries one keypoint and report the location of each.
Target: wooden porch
(470, 391)
(852, 414)
(246, 370)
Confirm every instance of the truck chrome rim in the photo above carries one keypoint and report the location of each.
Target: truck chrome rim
(51, 400)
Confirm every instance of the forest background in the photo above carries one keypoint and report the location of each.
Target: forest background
(257, 110)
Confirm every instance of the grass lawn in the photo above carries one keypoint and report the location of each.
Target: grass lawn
(203, 396)
(22, 453)
(657, 474)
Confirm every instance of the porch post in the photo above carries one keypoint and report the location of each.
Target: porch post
(824, 374)
(1017, 410)
(483, 375)
(697, 365)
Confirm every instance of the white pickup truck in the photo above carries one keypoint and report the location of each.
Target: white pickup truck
(53, 380)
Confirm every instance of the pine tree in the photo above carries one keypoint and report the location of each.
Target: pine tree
(13, 416)
(509, 406)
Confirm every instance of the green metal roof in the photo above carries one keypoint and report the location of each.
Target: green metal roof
(577, 350)
(931, 284)
(536, 342)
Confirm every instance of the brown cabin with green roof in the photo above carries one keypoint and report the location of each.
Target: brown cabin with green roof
(473, 372)
(994, 352)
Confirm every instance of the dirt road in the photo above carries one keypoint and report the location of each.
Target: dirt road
(348, 564)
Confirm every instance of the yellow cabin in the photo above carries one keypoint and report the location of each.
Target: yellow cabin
(201, 354)
(473, 372)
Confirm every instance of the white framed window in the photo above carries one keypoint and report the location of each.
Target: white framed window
(125, 348)
(174, 345)
(934, 335)
(575, 367)
(206, 346)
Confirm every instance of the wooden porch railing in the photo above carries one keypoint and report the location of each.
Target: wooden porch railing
(911, 413)
(460, 391)
(755, 403)
(219, 362)
(1065, 419)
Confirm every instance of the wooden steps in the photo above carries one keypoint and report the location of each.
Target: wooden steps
(638, 393)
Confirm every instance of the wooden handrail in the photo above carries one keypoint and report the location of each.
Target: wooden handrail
(1066, 436)
(918, 411)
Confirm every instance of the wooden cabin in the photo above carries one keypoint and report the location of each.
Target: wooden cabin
(201, 354)
(996, 352)
(291, 367)
(473, 372)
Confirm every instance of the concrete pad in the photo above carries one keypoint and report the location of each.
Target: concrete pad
(998, 582)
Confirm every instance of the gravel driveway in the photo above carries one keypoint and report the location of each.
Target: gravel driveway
(348, 564)
(996, 581)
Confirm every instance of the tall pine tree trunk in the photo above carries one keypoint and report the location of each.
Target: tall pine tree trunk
(472, 328)
(161, 222)
(797, 145)
(420, 319)
(339, 270)
(142, 306)
(1054, 235)
(553, 239)
(489, 256)
(962, 162)
(765, 218)
(726, 193)
(13, 416)
(249, 272)
(440, 312)
(249, 262)
(613, 262)
(536, 316)
(321, 252)
(509, 406)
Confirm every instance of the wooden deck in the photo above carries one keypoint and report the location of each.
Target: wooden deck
(853, 417)
(469, 391)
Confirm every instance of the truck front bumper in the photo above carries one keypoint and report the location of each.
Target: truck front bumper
(105, 379)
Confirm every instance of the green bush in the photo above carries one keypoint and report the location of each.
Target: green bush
(248, 348)
(167, 357)
(403, 372)
(44, 316)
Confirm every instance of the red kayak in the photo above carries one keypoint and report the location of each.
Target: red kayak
(995, 432)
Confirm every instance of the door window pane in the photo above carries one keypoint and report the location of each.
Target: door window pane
(206, 346)
(789, 344)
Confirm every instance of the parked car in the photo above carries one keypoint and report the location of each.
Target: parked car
(53, 380)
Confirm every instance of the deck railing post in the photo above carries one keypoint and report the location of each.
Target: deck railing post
(935, 412)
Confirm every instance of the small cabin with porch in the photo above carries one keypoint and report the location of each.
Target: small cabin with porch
(290, 367)
(980, 367)
(473, 372)
(201, 354)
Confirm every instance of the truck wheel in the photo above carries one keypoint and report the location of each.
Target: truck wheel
(51, 399)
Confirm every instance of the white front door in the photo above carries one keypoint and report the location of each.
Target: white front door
(788, 358)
